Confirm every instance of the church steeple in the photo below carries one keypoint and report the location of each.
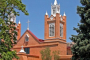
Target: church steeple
(55, 8)
(55, 2)
(12, 17)
(55, 25)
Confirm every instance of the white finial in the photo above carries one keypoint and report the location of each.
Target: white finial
(19, 22)
(28, 24)
(64, 14)
(22, 50)
(55, 2)
(46, 13)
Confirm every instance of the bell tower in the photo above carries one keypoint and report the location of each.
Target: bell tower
(12, 17)
(55, 8)
(55, 25)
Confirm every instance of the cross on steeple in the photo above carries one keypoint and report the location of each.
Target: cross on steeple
(28, 24)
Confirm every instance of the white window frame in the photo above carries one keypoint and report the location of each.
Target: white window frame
(26, 37)
(49, 29)
(61, 31)
(54, 11)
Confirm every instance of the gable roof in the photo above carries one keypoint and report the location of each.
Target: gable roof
(39, 40)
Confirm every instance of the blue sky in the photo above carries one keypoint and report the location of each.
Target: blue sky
(37, 10)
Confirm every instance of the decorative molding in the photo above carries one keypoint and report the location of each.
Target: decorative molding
(40, 45)
(22, 50)
(55, 38)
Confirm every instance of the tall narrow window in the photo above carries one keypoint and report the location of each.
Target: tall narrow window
(26, 38)
(51, 29)
(61, 29)
(53, 11)
(27, 50)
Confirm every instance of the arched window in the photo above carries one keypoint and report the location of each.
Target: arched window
(61, 29)
(51, 29)
(26, 38)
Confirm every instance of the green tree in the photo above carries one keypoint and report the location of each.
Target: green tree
(7, 28)
(56, 55)
(81, 48)
(45, 54)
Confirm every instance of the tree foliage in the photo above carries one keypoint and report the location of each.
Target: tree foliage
(7, 28)
(81, 49)
(45, 54)
(56, 55)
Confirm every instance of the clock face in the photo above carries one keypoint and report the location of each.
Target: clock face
(51, 17)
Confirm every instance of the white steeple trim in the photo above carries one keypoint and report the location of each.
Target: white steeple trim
(64, 14)
(57, 12)
(27, 28)
(22, 50)
(27, 35)
(19, 22)
(60, 15)
(16, 26)
(46, 13)
(55, 2)
(12, 17)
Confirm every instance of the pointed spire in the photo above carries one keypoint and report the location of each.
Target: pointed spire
(22, 50)
(55, 2)
(19, 22)
(46, 13)
(64, 14)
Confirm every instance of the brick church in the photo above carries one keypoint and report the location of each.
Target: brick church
(28, 46)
